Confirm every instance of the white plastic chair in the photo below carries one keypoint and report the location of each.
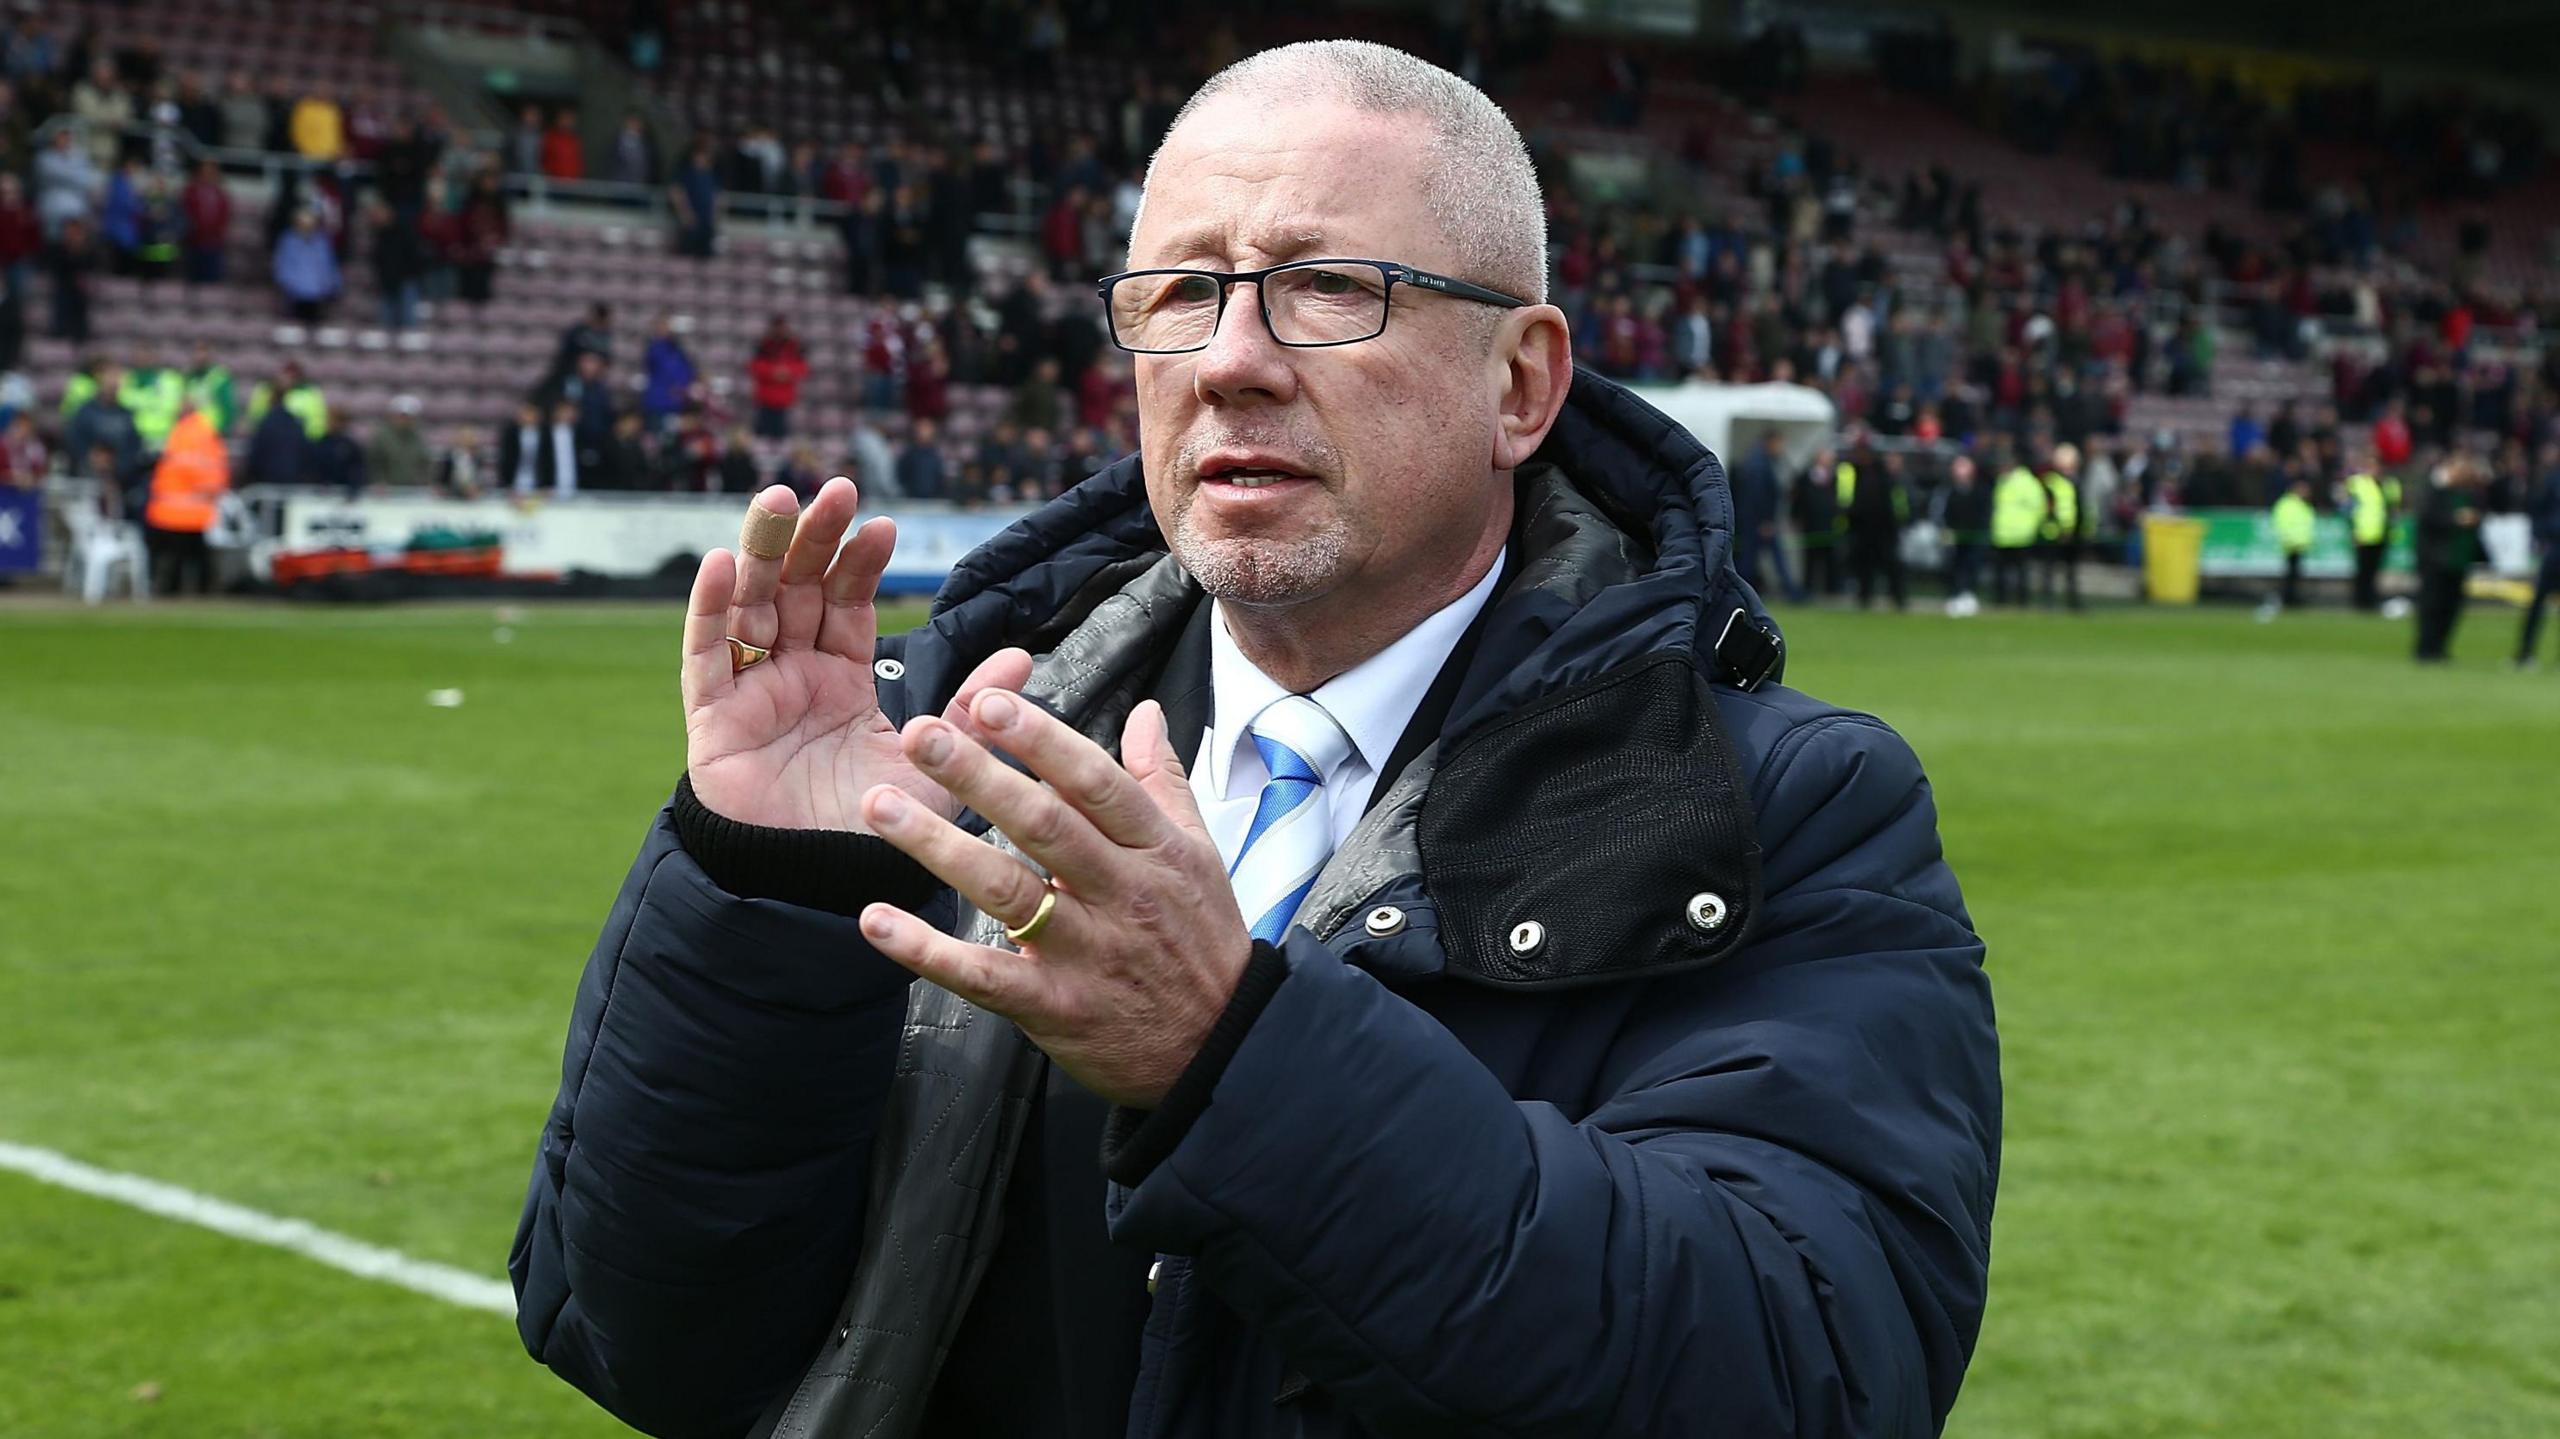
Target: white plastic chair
(98, 546)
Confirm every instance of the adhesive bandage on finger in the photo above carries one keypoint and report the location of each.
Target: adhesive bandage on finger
(766, 535)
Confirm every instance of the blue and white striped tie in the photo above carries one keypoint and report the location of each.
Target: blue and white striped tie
(1292, 833)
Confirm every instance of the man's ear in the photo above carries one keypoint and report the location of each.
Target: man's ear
(1535, 359)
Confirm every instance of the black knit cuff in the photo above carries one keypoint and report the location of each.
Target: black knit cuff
(1135, 1141)
(826, 869)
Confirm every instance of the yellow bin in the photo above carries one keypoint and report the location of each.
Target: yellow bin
(2172, 555)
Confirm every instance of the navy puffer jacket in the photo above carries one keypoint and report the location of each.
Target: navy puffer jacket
(1560, 1148)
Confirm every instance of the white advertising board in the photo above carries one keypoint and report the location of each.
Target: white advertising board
(617, 535)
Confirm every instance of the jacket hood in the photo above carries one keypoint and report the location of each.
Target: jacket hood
(1622, 545)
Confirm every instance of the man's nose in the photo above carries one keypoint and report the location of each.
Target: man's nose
(1244, 364)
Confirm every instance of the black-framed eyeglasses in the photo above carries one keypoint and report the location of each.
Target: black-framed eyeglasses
(1306, 303)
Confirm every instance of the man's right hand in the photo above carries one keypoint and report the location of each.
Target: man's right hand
(794, 741)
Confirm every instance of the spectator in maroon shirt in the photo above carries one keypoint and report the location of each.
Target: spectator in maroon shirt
(206, 206)
(1852, 392)
(1574, 270)
(1101, 392)
(480, 233)
(2111, 335)
(439, 237)
(928, 382)
(884, 361)
(564, 155)
(2009, 385)
(1062, 236)
(2391, 439)
(1620, 334)
(368, 127)
(1653, 348)
(23, 460)
(847, 178)
(20, 236)
(2071, 305)
(2457, 326)
(776, 370)
(1962, 266)
(2301, 297)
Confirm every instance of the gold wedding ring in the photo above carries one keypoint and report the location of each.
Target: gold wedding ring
(743, 655)
(766, 535)
(1029, 929)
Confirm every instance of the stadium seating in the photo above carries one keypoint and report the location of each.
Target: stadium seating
(829, 79)
(312, 49)
(466, 364)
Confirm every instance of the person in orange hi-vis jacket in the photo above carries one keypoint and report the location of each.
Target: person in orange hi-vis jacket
(186, 490)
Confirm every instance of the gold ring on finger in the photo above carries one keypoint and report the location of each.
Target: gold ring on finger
(1029, 929)
(745, 656)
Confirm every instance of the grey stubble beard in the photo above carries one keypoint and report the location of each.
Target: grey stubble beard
(1252, 570)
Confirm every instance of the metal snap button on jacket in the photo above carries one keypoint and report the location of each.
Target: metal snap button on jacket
(1385, 920)
(1706, 912)
(1527, 936)
(890, 669)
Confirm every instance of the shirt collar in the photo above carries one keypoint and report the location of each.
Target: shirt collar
(1373, 701)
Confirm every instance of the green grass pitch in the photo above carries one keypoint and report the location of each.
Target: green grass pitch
(2274, 922)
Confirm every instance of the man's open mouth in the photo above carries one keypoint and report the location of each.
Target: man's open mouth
(1248, 470)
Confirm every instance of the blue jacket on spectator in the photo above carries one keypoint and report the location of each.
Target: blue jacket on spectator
(2246, 435)
(700, 186)
(1756, 491)
(306, 268)
(920, 472)
(101, 421)
(2545, 510)
(1713, 1157)
(670, 374)
(337, 461)
(279, 449)
(120, 214)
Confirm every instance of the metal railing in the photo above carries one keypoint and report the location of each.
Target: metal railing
(539, 195)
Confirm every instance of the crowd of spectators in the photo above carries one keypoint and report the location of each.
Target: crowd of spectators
(2178, 124)
(106, 166)
(2019, 340)
(2023, 337)
(596, 420)
(397, 192)
(904, 210)
(646, 417)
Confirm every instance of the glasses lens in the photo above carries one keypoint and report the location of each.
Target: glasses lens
(1164, 311)
(1326, 304)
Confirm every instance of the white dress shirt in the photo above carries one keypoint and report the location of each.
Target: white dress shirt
(1373, 701)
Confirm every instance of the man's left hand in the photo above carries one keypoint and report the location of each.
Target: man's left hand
(1144, 948)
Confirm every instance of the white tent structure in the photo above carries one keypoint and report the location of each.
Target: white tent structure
(1730, 419)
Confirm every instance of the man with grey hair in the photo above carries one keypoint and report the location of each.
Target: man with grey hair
(1333, 928)
(1477, 183)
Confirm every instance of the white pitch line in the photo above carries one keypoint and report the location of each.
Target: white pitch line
(298, 1236)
